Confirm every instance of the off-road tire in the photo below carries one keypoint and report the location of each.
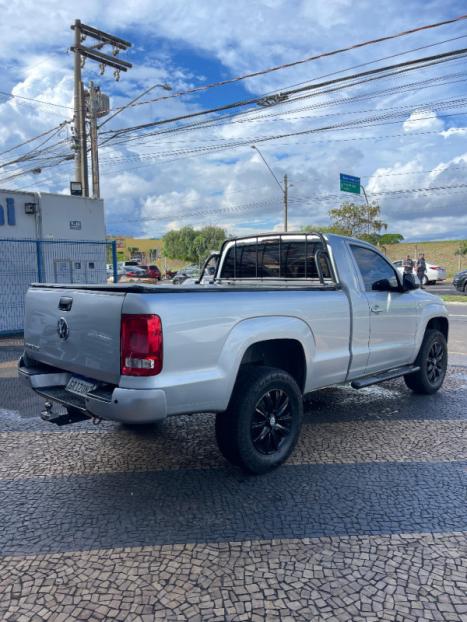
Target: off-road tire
(242, 437)
(432, 360)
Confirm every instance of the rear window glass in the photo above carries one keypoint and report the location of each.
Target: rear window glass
(274, 259)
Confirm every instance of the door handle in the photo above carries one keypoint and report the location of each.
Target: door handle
(376, 309)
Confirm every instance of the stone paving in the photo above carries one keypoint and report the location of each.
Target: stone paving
(367, 521)
(399, 577)
(167, 447)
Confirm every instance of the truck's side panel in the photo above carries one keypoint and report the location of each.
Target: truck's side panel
(208, 335)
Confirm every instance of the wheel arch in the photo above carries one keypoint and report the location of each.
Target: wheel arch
(440, 323)
(262, 340)
(285, 354)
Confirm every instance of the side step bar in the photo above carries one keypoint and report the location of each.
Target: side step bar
(385, 375)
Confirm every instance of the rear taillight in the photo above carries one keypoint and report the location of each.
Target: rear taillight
(436, 268)
(141, 345)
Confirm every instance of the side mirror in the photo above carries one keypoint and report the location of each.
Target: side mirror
(408, 283)
(383, 285)
(386, 285)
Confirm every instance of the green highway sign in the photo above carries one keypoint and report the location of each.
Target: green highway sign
(350, 183)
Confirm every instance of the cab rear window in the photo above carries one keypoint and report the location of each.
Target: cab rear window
(275, 259)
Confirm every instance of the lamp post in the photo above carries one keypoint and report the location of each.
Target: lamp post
(284, 188)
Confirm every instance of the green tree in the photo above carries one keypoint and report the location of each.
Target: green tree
(390, 238)
(358, 220)
(461, 252)
(190, 245)
(322, 229)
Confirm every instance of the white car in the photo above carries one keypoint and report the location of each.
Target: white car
(434, 273)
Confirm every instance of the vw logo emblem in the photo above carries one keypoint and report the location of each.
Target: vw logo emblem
(62, 328)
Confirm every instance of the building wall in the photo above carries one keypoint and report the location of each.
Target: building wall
(59, 217)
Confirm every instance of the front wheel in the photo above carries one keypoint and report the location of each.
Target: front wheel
(433, 361)
(260, 428)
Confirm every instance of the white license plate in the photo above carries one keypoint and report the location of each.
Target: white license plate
(80, 386)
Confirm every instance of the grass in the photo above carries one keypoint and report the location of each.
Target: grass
(454, 298)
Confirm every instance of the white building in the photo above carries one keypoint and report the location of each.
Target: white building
(37, 215)
(51, 238)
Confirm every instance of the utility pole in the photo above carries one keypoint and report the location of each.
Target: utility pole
(284, 188)
(81, 161)
(286, 201)
(93, 141)
(367, 208)
(93, 53)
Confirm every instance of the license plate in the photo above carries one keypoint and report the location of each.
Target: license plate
(80, 386)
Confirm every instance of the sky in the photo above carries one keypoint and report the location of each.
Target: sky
(409, 149)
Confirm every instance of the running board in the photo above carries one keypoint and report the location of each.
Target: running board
(386, 375)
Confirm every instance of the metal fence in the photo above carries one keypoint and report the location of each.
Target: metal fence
(26, 261)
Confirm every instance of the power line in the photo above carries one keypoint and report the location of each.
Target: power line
(32, 99)
(311, 58)
(372, 74)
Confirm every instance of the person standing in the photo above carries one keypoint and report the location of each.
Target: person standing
(408, 266)
(421, 269)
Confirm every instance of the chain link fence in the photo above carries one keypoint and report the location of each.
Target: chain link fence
(24, 261)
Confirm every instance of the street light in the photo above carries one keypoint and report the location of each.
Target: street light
(284, 188)
(164, 86)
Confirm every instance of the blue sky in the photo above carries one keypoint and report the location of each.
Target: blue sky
(413, 137)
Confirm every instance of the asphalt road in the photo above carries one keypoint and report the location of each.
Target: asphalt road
(444, 288)
(366, 522)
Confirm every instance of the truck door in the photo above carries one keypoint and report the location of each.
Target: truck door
(393, 315)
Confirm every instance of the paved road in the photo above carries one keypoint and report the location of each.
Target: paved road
(444, 288)
(458, 334)
(366, 522)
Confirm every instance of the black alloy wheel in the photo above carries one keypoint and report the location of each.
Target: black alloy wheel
(260, 427)
(435, 362)
(432, 360)
(272, 421)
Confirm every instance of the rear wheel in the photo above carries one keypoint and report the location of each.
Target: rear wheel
(260, 428)
(432, 360)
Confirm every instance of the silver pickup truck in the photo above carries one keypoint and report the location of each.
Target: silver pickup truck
(287, 314)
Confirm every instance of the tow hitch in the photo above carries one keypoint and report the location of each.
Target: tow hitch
(73, 415)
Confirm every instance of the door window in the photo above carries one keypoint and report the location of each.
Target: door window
(373, 267)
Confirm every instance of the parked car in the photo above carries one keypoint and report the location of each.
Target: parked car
(207, 273)
(187, 272)
(287, 314)
(152, 271)
(129, 274)
(460, 281)
(434, 273)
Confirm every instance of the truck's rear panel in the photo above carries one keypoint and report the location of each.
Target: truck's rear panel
(75, 330)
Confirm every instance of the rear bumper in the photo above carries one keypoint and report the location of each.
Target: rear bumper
(112, 403)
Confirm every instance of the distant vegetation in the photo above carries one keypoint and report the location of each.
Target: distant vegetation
(191, 245)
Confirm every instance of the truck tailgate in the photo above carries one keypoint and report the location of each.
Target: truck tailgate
(75, 329)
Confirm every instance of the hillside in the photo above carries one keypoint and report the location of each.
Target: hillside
(440, 253)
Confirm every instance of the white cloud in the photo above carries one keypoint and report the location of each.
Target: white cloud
(422, 120)
(147, 193)
(454, 131)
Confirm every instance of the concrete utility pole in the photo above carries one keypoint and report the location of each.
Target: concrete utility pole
(367, 208)
(81, 161)
(81, 53)
(286, 202)
(93, 137)
(284, 188)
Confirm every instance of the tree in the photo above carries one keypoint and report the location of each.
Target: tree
(358, 220)
(322, 229)
(461, 251)
(390, 238)
(190, 245)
